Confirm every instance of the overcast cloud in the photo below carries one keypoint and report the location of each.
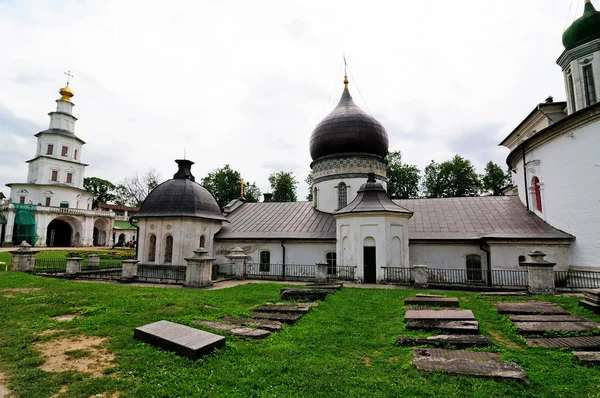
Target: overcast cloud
(245, 82)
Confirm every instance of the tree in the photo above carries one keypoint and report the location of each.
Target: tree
(283, 186)
(224, 185)
(103, 190)
(309, 180)
(133, 190)
(403, 179)
(494, 179)
(452, 178)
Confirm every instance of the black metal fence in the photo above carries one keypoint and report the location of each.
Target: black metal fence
(222, 271)
(577, 279)
(477, 278)
(400, 275)
(161, 273)
(101, 264)
(281, 271)
(342, 272)
(49, 265)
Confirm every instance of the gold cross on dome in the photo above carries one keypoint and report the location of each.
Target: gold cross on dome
(69, 75)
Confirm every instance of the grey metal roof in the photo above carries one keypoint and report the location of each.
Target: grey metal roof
(444, 219)
(371, 197)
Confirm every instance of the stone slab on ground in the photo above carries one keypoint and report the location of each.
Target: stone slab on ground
(590, 306)
(445, 340)
(454, 354)
(273, 326)
(288, 293)
(235, 330)
(184, 340)
(501, 294)
(432, 301)
(449, 315)
(430, 295)
(542, 327)
(530, 308)
(457, 327)
(328, 286)
(470, 367)
(546, 318)
(590, 343)
(292, 309)
(311, 304)
(274, 316)
(590, 357)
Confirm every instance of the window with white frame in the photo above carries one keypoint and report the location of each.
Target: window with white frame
(474, 272)
(331, 260)
(342, 195)
(588, 82)
(265, 261)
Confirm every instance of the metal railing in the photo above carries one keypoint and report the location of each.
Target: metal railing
(299, 271)
(577, 279)
(464, 277)
(222, 271)
(161, 273)
(397, 275)
(342, 272)
(49, 265)
(508, 278)
(281, 271)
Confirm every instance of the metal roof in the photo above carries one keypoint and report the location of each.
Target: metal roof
(433, 219)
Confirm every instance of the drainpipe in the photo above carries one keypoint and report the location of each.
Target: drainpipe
(283, 259)
(137, 242)
(525, 178)
(488, 257)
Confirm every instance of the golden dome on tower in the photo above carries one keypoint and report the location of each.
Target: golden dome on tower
(66, 93)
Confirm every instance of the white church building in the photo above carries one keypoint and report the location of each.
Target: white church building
(52, 208)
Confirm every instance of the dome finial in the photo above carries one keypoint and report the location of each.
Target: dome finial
(65, 92)
(345, 74)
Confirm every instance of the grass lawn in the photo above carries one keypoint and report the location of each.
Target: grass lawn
(343, 348)
(118, 252)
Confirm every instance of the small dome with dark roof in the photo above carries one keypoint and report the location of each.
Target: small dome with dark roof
(181, 197)
(584, 29)
(347, 129)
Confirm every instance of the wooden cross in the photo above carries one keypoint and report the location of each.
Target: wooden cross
(69, 75)
(242, 187)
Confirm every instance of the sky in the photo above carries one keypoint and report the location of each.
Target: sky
(244, 83)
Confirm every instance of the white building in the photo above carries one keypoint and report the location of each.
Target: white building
(52, 208)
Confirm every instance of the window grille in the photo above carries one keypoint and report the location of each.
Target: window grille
(152, 248)
(474, 267)
(342, 195)
(265, 261)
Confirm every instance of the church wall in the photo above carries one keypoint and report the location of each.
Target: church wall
(450, 255)
(506, 255)
(327, 192)
(567, 167)
(575, 67)
(296, 251)
(36, 194)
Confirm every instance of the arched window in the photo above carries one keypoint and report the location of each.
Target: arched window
(315, 191)
(168, 249)
(521, 259)
(474, 267)
(342, 195)
(152, 248)
(202, 241)
(265, 261)
(330, 259)
(537, 193)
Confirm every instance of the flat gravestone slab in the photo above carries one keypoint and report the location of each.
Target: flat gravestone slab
(294, 309)
(530, 308)
(235, 330)
(591, 357)
(454, 354)
(446, 341)
(591, 343)
(430, 295)
(471, 367)
(311, 304)
(542, 327)
(503, 294)
(457, 327)
(273, 316)
(328, 286)
(432, 301)
(304, 294)
(450, 315)
(546, 318)
(184, 340)
(590, 306)
(273, 326)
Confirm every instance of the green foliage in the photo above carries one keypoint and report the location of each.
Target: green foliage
(133, 190)
(225, 185)
(494, 179)
(452, 178)
(103, 190)
(283, 186)
(403, 179)
(310, 181)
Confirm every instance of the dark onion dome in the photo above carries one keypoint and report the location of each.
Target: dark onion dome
(372, 197)
(584, 29)
(347, 129)
(181, 197)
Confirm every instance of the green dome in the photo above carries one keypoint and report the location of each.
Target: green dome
(584, 29)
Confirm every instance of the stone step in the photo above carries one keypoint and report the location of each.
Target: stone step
(590, 306)
(430, 295)
(311, 304)
(274, 316)
(542, 327)
(546, 318)
(328, 286)
(457, 327)
(184, 340)
(530, 308)
(457, 341)
(294, 309)
(432, 301)
(235, 330)
(449, 315)
(588, 357)
(304, 294)
(454, 354)
(590, 343)
(273, 326)
(472, 367)
(503, 294)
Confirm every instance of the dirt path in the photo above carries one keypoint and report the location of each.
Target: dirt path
(4, 392)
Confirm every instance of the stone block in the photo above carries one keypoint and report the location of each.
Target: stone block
(574, 343)
(454, 354)
(294, 309)
(299, 294)
(458, 341)
(273, 326)
(432, 301)
(542, 327)
(530, 308)
(546, 318)
(450, 315)
(235, 330)
(285, 318)
(588, 357)
(457, 327)
(470, 367)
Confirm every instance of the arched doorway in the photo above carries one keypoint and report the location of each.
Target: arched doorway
(101, 230)
(369, 260)
(58, 234)
(121, 241)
